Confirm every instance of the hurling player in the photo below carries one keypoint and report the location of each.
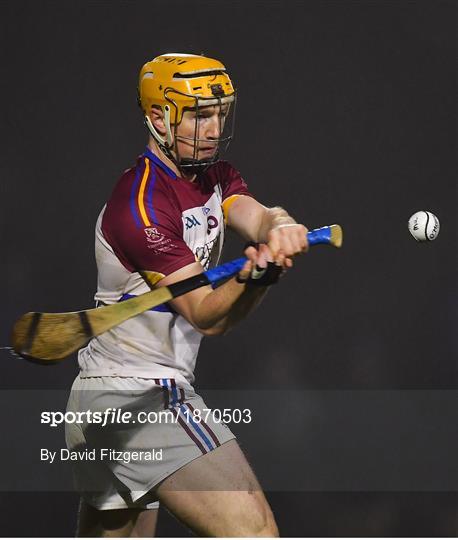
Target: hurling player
(164, 222)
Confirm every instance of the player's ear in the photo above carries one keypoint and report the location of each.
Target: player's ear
(157, 118)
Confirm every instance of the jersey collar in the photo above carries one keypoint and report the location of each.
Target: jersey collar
(152, 157)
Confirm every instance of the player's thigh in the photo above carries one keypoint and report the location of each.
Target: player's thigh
(120, 523)
(219, 495)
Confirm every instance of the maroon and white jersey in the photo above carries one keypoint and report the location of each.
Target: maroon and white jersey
(154, 224)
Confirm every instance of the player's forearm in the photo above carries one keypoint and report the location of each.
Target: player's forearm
(273, 217)
(224, 307)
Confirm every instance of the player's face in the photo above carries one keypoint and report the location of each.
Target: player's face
(206, 124)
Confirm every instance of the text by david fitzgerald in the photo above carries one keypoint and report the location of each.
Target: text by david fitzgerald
(100, 454)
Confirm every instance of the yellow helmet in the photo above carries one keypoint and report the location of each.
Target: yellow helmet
(176, 82)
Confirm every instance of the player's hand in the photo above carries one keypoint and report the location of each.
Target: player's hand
(261, 267)
(290, 239)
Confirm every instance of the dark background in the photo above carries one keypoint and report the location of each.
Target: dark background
(346, 114)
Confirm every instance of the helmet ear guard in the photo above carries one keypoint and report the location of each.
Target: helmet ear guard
(166, 141)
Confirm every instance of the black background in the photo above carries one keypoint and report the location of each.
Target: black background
(346, 114)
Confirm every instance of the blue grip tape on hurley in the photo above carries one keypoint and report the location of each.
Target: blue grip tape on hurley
(226, 270)
(319, 236)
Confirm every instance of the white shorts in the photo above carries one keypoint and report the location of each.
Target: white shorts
(152, 429)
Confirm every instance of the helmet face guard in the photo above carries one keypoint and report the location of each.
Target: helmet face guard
(226, 123)
(181, 83)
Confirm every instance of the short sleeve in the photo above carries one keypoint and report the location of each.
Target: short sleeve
(153, 245)
(233, 185)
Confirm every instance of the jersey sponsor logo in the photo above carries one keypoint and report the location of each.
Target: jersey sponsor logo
(212, 223)
(204, 238)
(191, 221)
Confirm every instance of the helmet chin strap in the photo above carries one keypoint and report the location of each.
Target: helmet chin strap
(164, 143)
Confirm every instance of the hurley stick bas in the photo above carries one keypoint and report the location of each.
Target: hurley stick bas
(49, 337)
